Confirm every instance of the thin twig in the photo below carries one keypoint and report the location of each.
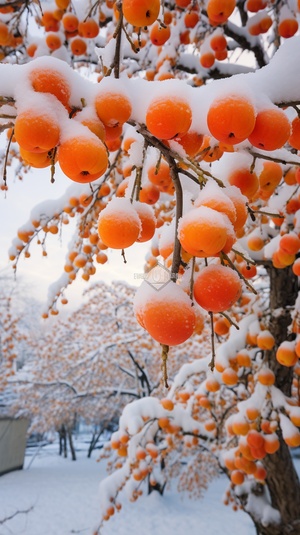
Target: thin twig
(213, 350)
(272, 158)
(224, 255)
(22, 512)
(164, 358)
(6, 157)
(118, 36)
(230, 320)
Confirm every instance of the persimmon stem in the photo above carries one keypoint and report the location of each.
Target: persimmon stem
(158, 163)
(90, 12)
(264, 212)
(292, 195)
(246, 258)
(253, 164)
(134, 48)
(230, 320)
(164, 358)
(239, 273)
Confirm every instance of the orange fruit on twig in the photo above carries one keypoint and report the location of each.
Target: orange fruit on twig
(113, 108)
(119, 225)
(141, 12)
(219, 10)
(78, 46)
(271, 131)
(166, 314)
(45, 80)
(217, 288)
(88, 28)
(37, 159)
(159, 34)
(231, 119)
(203, 231)
(83, 158)
(246, 181)
(147, 219)
(36, 132)
(167, 117)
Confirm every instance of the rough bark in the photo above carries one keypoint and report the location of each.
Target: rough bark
(282, 480)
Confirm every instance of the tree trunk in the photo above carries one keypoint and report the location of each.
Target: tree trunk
(95, 437)
(63, 441)
(72, 449)
(282, 480)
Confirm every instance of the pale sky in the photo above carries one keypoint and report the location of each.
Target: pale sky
(39, 271)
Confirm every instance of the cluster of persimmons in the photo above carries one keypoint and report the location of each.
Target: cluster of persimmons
(216, 217)
(72, 28)
(126, 207)
(156, 431)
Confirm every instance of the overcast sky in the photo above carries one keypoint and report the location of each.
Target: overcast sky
(39, 271)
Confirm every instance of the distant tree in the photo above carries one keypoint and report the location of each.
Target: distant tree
(13, 333)
(89, 366)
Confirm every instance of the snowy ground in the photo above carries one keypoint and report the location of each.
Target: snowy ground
(64, 499)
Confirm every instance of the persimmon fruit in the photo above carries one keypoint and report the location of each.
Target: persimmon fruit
(294, 139)
(167, 117)
(53, 41)
(217, 288)
(36, 132)
(147, 219)
(286, 355)
(119, 225)
(88, 28)
(46, 80)
(141, 12)
(231, 119)
(207, 59)
(113, 108)
(271, 131)
(70, 22)
(290, 243)
(245, 180)
(218, 43)
(159, 35)
(219, 11)
(38, 160)
(288, 27)
(78, 46)
(203, 231)
(167, 314)
(83, 158)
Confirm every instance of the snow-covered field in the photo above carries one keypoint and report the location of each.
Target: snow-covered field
(64, 498)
